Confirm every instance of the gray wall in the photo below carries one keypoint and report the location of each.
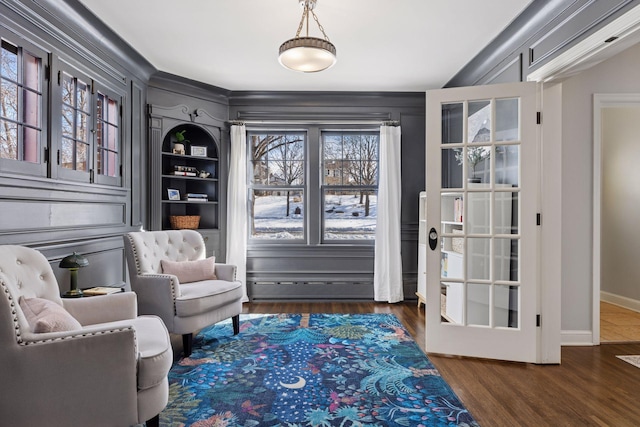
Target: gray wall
(50, 213)
(336, 271)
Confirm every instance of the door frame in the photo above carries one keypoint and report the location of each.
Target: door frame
(601, 101)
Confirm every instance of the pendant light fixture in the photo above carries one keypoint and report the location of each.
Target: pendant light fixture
(307, 54)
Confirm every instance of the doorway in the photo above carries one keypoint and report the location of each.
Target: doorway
(616, 206)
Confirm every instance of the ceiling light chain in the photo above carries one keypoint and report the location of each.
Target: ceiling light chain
(308, 54)
(326, 37)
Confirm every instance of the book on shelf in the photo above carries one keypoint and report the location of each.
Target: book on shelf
(102, 290)
(458, 208)
(197, 199)
(182, 173)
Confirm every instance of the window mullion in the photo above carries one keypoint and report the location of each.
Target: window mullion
(314, 169)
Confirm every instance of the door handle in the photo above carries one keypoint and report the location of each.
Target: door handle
(433, 239)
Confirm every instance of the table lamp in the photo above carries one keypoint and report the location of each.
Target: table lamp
(73, 263)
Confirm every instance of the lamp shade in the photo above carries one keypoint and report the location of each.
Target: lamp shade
(74, 261)
(307, 54)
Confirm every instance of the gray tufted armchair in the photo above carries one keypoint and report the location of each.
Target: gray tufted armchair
(184, 307)
(102, 366)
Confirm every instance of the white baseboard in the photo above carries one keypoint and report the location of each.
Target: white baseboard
(576, 338)
(629, 303)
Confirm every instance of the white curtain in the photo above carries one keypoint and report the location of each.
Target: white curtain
(387, 276)
(237, 205)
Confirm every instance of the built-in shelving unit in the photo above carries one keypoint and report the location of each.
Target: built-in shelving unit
(186, 175)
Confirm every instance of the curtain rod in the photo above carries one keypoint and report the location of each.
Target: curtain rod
(319, 122)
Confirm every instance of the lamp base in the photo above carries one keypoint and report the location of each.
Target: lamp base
(73, 293)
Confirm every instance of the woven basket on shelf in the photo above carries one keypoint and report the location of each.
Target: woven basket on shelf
(180, 222)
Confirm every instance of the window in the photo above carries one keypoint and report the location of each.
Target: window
(75, 146)
(107, 131)
(90, 147)
(349, 192)
(21, 108)
(277, 185)
(313, 186)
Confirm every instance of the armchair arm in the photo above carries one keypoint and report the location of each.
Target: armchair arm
(226, 272)
(91, 371)
(102, 309)
(156, 295)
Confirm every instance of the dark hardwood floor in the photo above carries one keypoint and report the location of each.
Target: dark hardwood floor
(591, 387)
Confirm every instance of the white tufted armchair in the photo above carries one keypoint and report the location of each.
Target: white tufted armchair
(109, 368)
(184, 307)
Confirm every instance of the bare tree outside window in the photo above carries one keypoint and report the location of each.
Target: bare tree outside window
(75, 123)
(277, 162)
(20, 104)
(350, 187)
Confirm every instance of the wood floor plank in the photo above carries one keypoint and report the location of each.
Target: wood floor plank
(591, 387)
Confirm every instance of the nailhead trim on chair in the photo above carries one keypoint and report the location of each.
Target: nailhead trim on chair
(173, 287)
(20, 341)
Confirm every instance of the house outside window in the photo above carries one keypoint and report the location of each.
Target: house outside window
(289, 204)
(21, 107)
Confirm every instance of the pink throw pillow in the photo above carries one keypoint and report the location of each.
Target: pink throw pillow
(47, 316)
(191, 271)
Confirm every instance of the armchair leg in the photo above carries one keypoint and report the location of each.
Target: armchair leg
(187, 341)
(153, 422)
(236, 324)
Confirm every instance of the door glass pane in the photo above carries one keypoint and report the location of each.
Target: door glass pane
(451, 168)
(478, 164)
(507, 119)
(451, 208)
(451, 302)
(505, 260)
(479, 121)
(505, 306)
(478, 258)
(452, 123)
(478, 303)
(451, 262)
(507, 165)
(479, 214)
(505, 213)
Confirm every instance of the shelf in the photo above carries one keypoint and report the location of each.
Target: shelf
(189, 177)
(188, 202)
(189, 157)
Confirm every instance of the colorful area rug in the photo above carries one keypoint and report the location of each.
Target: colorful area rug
(310, 370)
(633, 359)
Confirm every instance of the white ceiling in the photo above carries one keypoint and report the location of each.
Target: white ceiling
(382, 45)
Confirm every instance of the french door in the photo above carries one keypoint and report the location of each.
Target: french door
(482, 203)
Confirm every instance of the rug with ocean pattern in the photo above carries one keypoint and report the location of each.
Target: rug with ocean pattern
(295, 370)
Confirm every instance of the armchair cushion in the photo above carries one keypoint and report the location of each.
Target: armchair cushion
(191, 271)
(47, 316)
(206, 295)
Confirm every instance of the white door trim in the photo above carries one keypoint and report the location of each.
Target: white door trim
(601, 101)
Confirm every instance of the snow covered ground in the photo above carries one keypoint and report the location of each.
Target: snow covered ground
(343, 217)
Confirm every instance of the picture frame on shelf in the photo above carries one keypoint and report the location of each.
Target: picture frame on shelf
(198, 151)
(173, 194)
